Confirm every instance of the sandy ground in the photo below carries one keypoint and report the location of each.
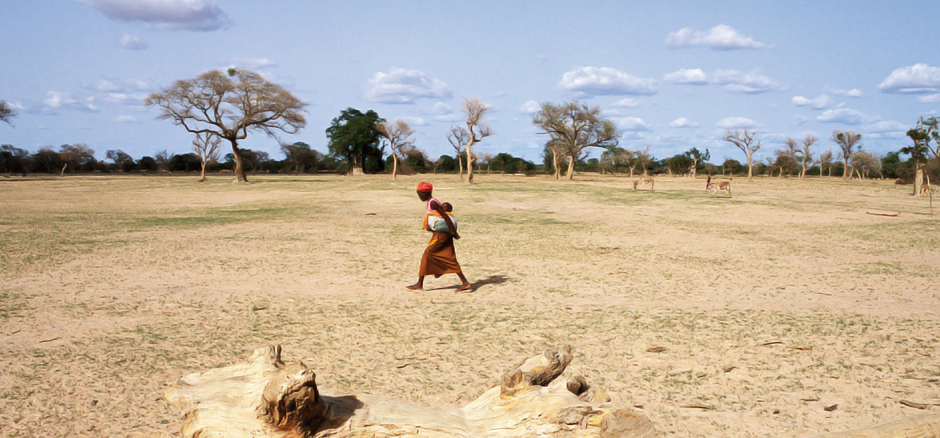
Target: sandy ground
(786, 310)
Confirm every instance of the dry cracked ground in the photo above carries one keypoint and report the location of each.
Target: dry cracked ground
(795, 307)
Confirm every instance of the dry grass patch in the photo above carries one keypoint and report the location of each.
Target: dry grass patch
(727, 317)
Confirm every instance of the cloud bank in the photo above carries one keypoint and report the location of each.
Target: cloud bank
(730, 80)
(720, 37)
(915, 79)
(404, 86)
(199, 15)
(606, 81)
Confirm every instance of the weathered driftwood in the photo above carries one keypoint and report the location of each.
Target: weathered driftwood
(266, 398)
(921, 426)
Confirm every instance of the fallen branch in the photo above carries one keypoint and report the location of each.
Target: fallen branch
(879, 213)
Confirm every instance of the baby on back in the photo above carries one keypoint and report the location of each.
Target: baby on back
(438, 223)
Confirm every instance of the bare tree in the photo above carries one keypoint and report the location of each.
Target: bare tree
(398, 135)
(744, 140)
(215, 104)
(865, 163)
(75, 154)
(643, 158)
(577, 127)
(458, 138)
(476, 130)
(557, 149)
(7, 112)
(846, 140)
(695, 155)
(805, 153)
(206, 146)
(825, 162)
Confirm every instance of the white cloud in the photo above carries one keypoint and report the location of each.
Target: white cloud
(800, 119)
(721, 37)
(627, 102)
(930, 98)
(845, 116)
(823, 101)
(202, 15)
(683, 122)
(606, 81)
(125, 119)
(404, 86)
(530, 107)
(56, 99)
(886, 127)
(855, 92)
(736, 123)
(252, 63)
(683, 76)
(414, 121)
(131, 42)
(750, 83)
(918, 78)
(632, 124)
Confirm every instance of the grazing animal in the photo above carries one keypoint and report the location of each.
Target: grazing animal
(644, 181)
(925, 190)
(715, 187)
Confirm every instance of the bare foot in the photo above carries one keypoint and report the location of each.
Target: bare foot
(464, 288)
(414, 287)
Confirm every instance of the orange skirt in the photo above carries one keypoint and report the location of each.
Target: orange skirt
(439, 257)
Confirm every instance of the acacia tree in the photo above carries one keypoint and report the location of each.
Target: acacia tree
(865, 164)
(744, 140)
(206, 147)
(825, 161)
(6, 112)
(355, 137)
(846, 140)
(476, 130)
(921, 135)
(76, 154)
(458, 139)
(121, 160)
(695, 155)
(805, 154)
(577, 127)
(398, 135)
(643, 158)
(214, 103)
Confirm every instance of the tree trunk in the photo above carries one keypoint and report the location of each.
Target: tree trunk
(266, 398)
(202, 173)
(555, 164)
(845, 169)
(570, 174)
(239, 162)
(470, 161)
(460, 166)
(918, 177)
(750, 168)
(394, 166)
(62, 173)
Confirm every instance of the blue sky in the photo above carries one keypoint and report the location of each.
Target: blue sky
(672, 75)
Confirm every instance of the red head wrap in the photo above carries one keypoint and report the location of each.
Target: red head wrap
(425, 187)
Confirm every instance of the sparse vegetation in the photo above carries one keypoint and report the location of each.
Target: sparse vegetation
(709, 314)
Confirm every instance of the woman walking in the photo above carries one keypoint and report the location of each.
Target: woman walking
(439, 257)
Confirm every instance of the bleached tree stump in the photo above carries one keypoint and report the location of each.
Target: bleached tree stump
(266, 398)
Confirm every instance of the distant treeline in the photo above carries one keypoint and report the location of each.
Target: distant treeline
(80, 159)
